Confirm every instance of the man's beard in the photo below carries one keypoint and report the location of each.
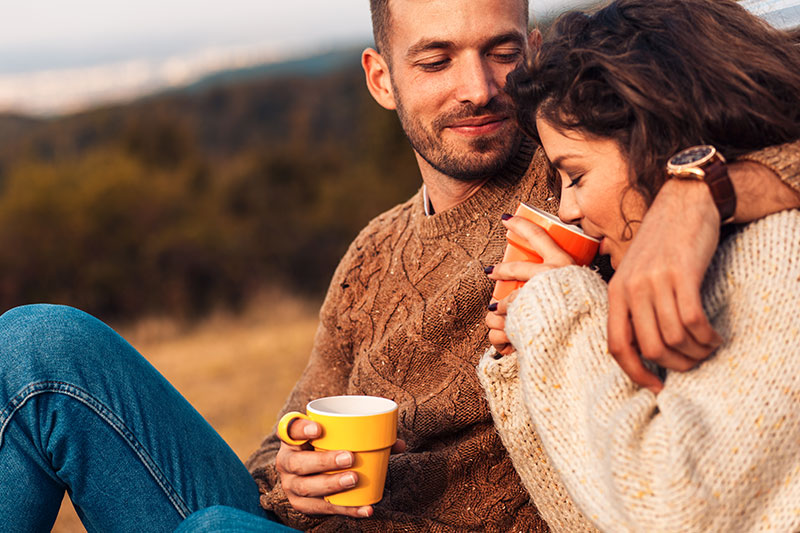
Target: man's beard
(483, 157)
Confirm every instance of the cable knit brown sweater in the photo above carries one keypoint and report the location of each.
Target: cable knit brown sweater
(404, 319)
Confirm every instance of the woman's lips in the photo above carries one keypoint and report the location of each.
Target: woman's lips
(601, 249)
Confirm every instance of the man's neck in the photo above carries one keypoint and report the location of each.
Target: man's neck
(445, 192)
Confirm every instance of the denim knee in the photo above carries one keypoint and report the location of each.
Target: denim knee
(45, 342)
(222, 519)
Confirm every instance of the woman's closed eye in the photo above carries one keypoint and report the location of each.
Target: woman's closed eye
(573, 181)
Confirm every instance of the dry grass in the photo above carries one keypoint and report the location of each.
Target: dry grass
(236, 370)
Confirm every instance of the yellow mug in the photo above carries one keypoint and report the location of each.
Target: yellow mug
(364, 425)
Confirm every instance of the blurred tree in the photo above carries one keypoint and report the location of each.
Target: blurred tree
(193, 199)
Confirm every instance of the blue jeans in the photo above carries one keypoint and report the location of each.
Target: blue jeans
(82, 411)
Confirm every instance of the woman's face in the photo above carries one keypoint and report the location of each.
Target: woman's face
(594, 178)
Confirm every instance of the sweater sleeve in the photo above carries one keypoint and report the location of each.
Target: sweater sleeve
(326, 374)
(500, 379)
(717, 449)
(783, 160)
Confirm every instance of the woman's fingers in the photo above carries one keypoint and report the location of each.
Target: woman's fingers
(539, 241)
(498, 338)
(496, 322)
(518, 270)
(497, 335)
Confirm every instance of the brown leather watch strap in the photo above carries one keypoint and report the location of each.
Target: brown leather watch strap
(718, 181)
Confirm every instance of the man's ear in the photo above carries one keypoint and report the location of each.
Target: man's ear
(379, 82)
(534, 41)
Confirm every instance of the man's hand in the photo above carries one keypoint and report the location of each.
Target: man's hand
(304, 478)
(654, 305)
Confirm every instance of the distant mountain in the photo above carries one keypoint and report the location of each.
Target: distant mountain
(12, 126)
(313, 66)
(69, 91)
(192, 198)
(258, 85)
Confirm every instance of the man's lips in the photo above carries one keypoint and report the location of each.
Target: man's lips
(478, 125)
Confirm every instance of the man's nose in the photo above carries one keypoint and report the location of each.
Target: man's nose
(477, 83)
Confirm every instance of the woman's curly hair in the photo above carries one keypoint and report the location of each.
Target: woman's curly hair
(658, 76)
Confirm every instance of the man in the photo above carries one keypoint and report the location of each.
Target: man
(404, 315)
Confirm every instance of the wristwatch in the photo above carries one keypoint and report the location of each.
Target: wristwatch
(706, 164)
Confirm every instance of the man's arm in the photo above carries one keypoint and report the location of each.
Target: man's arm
(291, 478)
(654, 297)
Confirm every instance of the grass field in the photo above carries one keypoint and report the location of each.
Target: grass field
(236, 370)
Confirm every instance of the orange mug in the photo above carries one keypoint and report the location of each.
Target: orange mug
(581, 247)
(364, 425)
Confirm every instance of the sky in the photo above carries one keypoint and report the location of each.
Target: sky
(62, 55)
(48, 34)
(58, 56)
(51, 34)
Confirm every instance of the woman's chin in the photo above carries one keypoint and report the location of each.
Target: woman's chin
(614, 258)
(613, 251)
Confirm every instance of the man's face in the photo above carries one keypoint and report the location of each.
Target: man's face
(449, 60)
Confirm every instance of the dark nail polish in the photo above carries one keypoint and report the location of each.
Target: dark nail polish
(493, 307)
(489, 269)
(506, 216)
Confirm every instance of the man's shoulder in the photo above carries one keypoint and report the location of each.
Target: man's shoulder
(369, 253)
(391, 222)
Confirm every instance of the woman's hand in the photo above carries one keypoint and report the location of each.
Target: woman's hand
(496, 320)
(536, 239)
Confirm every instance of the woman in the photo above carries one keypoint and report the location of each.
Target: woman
(612, 97)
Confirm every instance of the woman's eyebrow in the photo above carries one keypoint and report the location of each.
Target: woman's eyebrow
(558, 162)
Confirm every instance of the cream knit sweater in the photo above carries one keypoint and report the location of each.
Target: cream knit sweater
(717, 450)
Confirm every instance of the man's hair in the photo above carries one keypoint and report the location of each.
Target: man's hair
(379, 9)
(381, 21)
(658, 76)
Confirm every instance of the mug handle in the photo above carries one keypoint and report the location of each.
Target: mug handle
(283, 427)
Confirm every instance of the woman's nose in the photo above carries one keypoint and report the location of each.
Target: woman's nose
(568, 209)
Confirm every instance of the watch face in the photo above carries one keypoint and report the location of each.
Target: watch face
(692, 156)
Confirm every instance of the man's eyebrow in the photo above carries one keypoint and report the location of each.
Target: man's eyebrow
(428, 44)
(505, 38)
(425, 45)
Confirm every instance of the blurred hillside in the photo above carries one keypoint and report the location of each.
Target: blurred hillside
(199, 198)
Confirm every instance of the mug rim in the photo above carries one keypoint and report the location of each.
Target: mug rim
(555, 220)
(390, 406)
